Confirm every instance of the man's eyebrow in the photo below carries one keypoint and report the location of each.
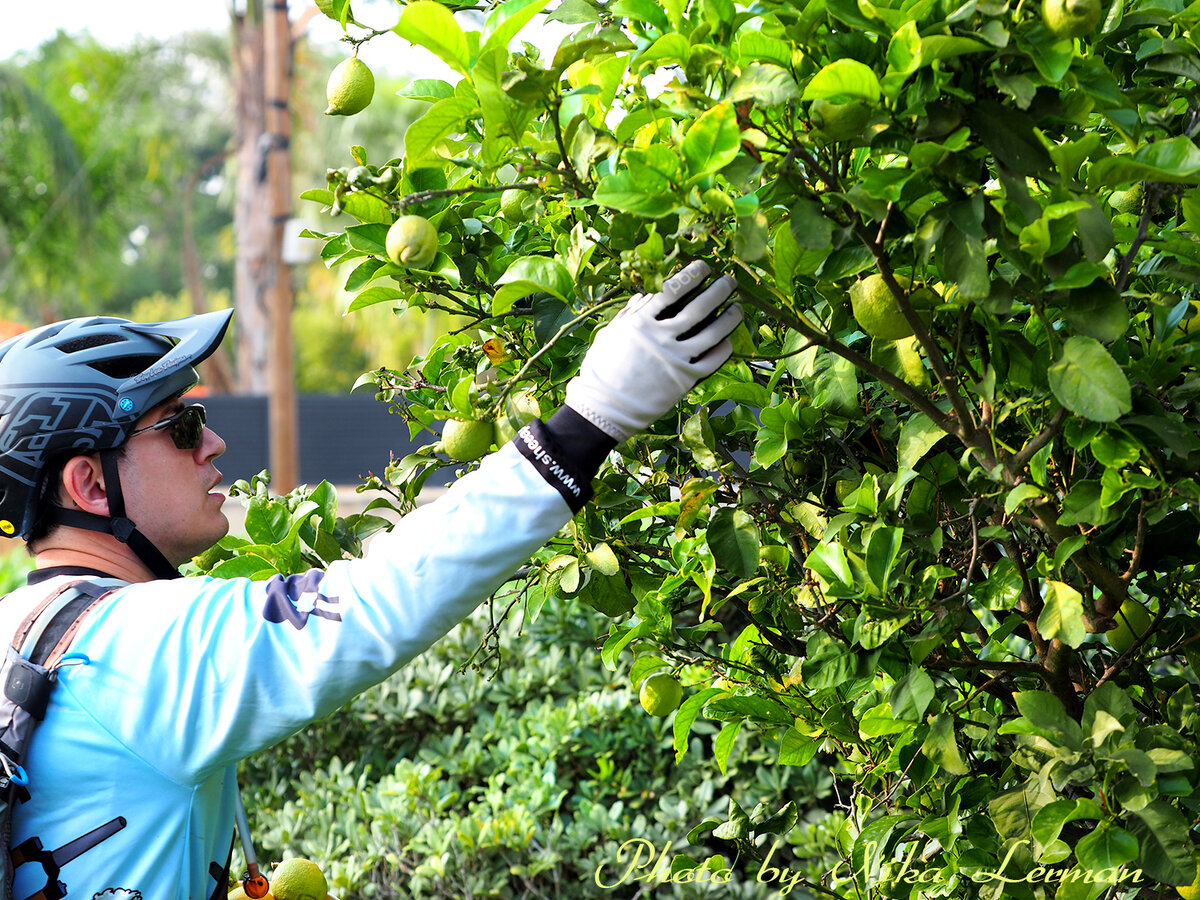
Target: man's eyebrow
(169, 410)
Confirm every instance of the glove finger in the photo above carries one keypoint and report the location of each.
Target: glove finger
(632, 305)
(713, 336)
(679, 290)
(703, 309)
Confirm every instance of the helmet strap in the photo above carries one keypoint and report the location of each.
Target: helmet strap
(116, 523)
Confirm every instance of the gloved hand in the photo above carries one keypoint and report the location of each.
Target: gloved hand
(654, 351)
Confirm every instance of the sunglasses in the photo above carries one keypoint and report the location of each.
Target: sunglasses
(186, 427)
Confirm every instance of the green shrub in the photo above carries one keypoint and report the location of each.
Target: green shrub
(438, 783)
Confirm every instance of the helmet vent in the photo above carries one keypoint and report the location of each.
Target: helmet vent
(87, 343)
(123, 367)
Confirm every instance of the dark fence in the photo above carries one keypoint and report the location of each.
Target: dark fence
(342, 438)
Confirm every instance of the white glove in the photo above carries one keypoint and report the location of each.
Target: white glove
(654, 351)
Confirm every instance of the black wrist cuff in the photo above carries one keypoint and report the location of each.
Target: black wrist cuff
(567, 451)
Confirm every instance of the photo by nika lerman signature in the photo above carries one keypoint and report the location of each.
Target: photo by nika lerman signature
(639, 860)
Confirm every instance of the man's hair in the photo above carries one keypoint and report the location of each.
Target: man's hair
(49, 490)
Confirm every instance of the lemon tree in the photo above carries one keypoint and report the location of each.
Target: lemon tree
(958, 434)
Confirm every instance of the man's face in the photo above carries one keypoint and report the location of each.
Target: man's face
(169, 492)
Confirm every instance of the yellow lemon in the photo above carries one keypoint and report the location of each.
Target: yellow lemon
(466, 439)
(412, 242)
(298, 879)
(1071, 18)
(875, 308)
(660, 694)
(350, 89)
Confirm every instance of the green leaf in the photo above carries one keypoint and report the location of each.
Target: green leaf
(1165, 852)
(882, 549)
(1088, 381)
(603, 559)
(844, 79)
(797, 748)
(734, 541)
(643, 10)
(941, 748)
(531, 275)
(1106, 847)
(724, 743)
(371, 296)
(918, 435)
(912, 694)
(712, 142)
(1175, 160)
(1018, 495)
(621, 191)
(433, 26)
(443, 118)
(1062, 614)
(506, 21)
(765, 83)
(686, 715)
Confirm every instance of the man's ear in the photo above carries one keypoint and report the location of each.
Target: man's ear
(83, 482)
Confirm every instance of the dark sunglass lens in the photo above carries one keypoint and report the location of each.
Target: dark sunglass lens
(188, 428)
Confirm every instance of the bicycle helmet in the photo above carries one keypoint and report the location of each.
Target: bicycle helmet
(78, 387)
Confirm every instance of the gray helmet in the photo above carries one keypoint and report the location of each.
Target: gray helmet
(79, 386)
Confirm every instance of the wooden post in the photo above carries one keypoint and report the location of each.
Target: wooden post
(282, 415)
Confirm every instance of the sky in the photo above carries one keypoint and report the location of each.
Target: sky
(116, 23)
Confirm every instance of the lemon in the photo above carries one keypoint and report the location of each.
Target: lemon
(519, 411)
(660, 694)
(298, 879)
(1129, 201)
(412, 241)
(466, 439)
(875, 308)
(840, 121)
(512, 205)
(1132, 621)
(1191, 891)
(350, 89)
(1071, 18)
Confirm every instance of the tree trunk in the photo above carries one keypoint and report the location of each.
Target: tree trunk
(252, 215)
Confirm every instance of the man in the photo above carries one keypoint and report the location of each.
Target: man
(109, 474)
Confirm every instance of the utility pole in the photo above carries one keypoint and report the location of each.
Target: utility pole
(283, 413)
(263, 292)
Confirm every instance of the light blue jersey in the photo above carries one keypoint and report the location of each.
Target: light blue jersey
(132, 773)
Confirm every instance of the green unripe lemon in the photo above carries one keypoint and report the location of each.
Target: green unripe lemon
(875, 308)
(1071, 18)
(512, 205)
(412, 242)
(350, 89)
(298, 879)
(1132, 621)
(1129, 201)
(466, 439)
(840, 121)
(660, 694)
